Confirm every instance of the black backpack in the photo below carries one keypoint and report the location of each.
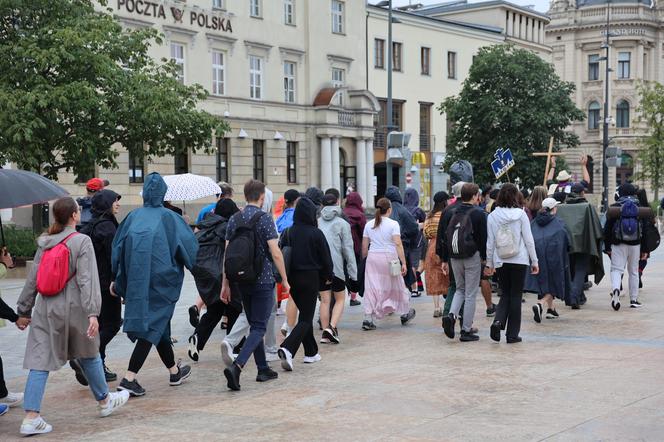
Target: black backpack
(459, 235)
(244, 260)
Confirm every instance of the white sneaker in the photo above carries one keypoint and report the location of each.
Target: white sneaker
(271, 357)
(227, 354)
(312, 359)
(281, 311)
(286, 359)
(12, 399)
(284, 329)
(35, 426)
(115, 401)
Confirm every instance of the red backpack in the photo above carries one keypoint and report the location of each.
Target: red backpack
(53, 273)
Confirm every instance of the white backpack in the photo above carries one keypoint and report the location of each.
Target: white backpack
(506, 243)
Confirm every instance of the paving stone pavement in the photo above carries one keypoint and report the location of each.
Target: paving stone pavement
(592, 374)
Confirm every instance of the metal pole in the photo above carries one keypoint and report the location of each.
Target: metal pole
(388, 171)
(605, 143)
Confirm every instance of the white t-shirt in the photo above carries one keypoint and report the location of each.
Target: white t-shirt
(380, 238)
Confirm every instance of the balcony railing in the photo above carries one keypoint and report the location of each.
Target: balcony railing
(347, 119)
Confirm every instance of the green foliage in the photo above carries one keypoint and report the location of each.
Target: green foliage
(510, 99)
(74, 83)
(20, 242)
(651, 148)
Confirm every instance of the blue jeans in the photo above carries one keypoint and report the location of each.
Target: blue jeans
(258, 300)
(36, 384)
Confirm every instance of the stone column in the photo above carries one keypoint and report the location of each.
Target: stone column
(510, 28)
(326, 163)
(369, 201)
(361, 156)
(336, 175)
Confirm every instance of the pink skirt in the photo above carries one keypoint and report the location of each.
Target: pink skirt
(383, 293)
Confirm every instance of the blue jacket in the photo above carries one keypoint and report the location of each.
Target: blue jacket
(204, 211)
(285, 220)
(552, 245)
(151, 248)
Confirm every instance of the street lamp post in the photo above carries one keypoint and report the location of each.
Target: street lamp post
(605, 141)
(389, 126)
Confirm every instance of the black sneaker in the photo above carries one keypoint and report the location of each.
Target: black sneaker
(551, 314)
(193, 348)
(354, 302)
(495, 331)
(368, 325)
(448, 325)
(491, 311)
(537, 312)
(587, 285)
(405, 319)
(577, 307)
(615, 299)
(133, 387)
(194, 316)
(266, 374)
(468, 337)
(514, 340)
(109, 375)
(635, 304)
(183, 373)
(328, 337)
(233, 377)
(79, 373)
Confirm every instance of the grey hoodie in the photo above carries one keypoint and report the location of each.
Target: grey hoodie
(518, 221)
(339, 238)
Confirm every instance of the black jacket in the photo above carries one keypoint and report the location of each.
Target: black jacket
(310, 250)
(448, 212)
(609, 236)
(6, 312)
(477, 218)
(407, 222)
(207, 272)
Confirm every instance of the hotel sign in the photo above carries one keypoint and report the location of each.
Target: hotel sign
(201, 19)
(624, 32)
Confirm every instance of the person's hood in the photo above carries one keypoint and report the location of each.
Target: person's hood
(49, 241)
(393, 194)
(411, 199)
(507, 215)
(354, 199)
(210, 220)
(544, 218)
(305, 213)
(267, 202)
(315, 195)
(575, 199)
(330, 212)
(154, 190)
(84, 202)
(102, 202)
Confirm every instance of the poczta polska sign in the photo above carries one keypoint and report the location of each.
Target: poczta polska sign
(152, 9)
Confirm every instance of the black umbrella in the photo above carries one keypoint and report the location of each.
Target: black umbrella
(23, 188)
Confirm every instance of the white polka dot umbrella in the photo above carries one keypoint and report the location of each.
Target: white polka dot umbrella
(189, 187)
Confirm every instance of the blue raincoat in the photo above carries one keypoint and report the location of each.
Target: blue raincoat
(151, 248)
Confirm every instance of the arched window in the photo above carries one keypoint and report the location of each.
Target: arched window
(593, 115)
(622, 114)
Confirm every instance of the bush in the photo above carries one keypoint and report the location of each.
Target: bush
(20, 242)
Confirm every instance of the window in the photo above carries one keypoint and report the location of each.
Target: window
(396, 56)
(379, 53)
(593, 115)
(218, 73)
(289, 82)
(593, 67)
(222, 159)
(623, 64)
(177, 55)
(182, 161)
(289, 12)
(425, 126)
(380, 121)
(425, 55)
(219, 4)
(259, 171)
(136, 168)
(338, 81)
(291, 161)
(337, 17)
(622, 114)
(451, 65)
(255, 8)
(255, 77)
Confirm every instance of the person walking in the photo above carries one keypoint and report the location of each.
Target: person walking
(310, 266)
(101, 229)
(211, 237)
(340, 241)
(408, 227)
(510, 251)
(354, 212)
(437, 282)
(411, 201)
(552, 246)
(63, 325)
(7, 398)
(152, 247)
(466, 236)
(252, 225)
(385, 291)
(284, 221)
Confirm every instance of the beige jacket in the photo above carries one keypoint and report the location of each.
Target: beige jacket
(58, 331)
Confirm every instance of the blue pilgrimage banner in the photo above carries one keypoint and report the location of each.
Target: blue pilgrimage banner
(503, 162)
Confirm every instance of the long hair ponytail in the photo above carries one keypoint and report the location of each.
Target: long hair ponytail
(382, 206)
(62, 210)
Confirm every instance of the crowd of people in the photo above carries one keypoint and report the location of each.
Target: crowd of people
(307, 251)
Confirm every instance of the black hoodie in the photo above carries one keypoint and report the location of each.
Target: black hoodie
(309, 246)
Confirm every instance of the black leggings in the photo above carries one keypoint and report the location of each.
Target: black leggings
(3, 387)
(211, 318)
(511, 278)
(304, 292)
(142, 349)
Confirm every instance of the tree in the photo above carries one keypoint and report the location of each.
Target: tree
(651, 148)
(510, 99)
(74, 83)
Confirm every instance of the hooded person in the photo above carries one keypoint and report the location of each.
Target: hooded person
(411, 201)
(101, 229)
(354, 213)
(408, 226)
(316, 196)
(152, 247)
(92, 186)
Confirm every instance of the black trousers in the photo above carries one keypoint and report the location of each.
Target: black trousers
(110, 321)
(3, 387)
(142, 349)
(511, 278)
(211, 318)
(304, 292)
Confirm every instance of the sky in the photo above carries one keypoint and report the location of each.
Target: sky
(540, 5)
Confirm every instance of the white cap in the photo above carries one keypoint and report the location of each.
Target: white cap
(549, 203)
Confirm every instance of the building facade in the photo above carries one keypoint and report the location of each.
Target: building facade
(577, 33)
